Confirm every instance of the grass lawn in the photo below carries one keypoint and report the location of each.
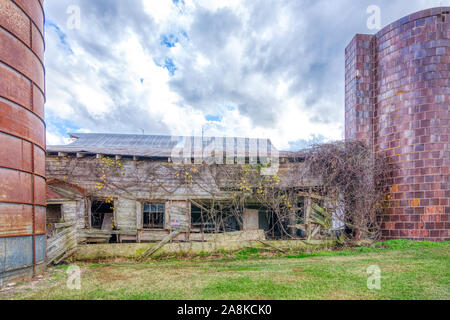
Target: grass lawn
(409, 270)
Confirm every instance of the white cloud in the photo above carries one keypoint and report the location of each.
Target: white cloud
(271, 69)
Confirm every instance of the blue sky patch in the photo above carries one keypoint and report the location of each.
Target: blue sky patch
(306, 143)
(169, 40)
(61, 35)
(184, 34)
(58, 125)
(214, 118)
(169, 65)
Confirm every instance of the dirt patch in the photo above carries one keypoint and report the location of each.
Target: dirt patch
(299, 274)
(44, 281)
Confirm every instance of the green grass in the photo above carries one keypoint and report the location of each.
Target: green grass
(409, 270)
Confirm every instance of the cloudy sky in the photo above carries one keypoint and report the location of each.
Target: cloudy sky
(255, 68)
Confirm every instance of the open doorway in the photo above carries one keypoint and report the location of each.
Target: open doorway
(54, 215)
(102, 213)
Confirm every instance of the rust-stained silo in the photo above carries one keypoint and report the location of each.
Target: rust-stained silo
(22, 139)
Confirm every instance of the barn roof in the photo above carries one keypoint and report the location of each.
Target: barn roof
(159, 145)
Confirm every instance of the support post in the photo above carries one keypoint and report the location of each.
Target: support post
(308, 207)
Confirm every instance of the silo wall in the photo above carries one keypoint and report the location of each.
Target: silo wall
(398, 101)
(22, 139)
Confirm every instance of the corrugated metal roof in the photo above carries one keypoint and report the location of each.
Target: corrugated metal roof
(163, 146)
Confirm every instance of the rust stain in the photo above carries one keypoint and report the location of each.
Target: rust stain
(22, 132)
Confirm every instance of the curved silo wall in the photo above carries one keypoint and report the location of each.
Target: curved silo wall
(22, 139)
(398, 100)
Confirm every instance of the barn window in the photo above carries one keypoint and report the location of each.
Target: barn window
(153, 215)
(102, 212)
(54, 215)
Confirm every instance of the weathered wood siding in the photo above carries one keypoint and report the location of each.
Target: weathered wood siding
(149, 180)
(133, 183)
(125, 214)
(135, 179)
(63, 243)
(72, 211)
(179, 215)
(69, 211)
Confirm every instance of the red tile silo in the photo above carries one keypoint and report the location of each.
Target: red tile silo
(22, 139)
(398, 100)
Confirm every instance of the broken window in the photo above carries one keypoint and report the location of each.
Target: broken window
(201, 221)
(54, 215)
(102, 214)
(153, 216)
(214, 219)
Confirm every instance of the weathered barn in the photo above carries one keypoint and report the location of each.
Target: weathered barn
(138, 187)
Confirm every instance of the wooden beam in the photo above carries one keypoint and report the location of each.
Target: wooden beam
(271, 246)
(164, 241)
(64, 224)
(308, 207)
(311, 195)
(199, 205)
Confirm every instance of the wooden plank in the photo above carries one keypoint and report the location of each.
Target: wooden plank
(64, 224)
(178, 217)
(308, 208)
(311, 195)
(66, 255)
(273, 247)
(63, 243)
(107, 221)
(72, 240)
(152, 250)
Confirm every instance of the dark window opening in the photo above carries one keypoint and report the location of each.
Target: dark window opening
(153, 216)
(222, 220)
(278, 227)
(54, 215)
(102, 214)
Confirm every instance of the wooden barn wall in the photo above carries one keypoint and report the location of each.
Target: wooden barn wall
(133, 186)
(125, 214)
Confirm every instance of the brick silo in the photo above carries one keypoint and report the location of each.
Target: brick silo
(397, 100)
(22, 139)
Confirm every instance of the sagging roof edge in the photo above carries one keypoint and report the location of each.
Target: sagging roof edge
(150, 146)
